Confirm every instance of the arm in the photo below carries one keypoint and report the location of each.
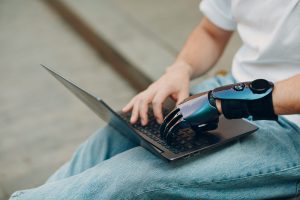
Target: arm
(201, 51)
(203, 48)
(286, 96)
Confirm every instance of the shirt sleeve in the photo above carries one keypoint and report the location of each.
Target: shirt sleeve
(219, 12)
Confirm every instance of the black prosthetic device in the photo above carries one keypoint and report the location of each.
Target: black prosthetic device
(239, 100)
(247, 99)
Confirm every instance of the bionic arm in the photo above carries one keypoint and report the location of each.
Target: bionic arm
(239, 100)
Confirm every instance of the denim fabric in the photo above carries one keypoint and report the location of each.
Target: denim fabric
(265, 164)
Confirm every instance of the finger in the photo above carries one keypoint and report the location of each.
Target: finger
(182, 96)
(157, 105)
(143, 110)
(134, 114)
(129, 106)
(144, 105)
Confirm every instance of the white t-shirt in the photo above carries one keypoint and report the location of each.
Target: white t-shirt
(270, 31)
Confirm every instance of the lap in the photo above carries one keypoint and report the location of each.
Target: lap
(108, 142)
(263, 165)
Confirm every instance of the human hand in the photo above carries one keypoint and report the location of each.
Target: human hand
(174, 83)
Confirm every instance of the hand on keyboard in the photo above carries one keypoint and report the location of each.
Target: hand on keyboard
(174, 83)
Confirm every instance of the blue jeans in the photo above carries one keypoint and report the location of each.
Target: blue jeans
(265, 164)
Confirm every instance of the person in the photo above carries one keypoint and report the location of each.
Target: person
(263, 165)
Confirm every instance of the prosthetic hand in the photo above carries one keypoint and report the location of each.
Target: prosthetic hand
(239, 100)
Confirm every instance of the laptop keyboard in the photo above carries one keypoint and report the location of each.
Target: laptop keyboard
(187, 139)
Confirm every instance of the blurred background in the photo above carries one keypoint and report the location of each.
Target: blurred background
(113, 48)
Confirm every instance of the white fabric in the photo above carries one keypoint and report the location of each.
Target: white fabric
(270, 31)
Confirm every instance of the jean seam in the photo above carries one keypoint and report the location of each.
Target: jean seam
(223, 181)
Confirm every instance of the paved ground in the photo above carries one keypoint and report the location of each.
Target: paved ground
(41, 122)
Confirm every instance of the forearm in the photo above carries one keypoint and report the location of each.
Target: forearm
(286, 96)
(203, 48)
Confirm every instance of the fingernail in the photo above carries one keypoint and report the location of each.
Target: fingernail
(143, 122)
(131, 121)
(159, 121)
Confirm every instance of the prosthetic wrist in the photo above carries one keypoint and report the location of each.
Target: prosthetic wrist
(245, 99)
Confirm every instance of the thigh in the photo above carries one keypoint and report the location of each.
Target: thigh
(263, 165)
(102, 145)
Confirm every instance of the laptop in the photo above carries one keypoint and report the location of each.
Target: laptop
(188, 143)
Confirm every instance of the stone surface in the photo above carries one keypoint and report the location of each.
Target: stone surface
(148, 34)
(41, 122)
(2, 195)
(124, 35)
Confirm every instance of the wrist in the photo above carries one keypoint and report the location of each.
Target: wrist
(286, 96)
(182, 66)
(276, 106)
(218, 105)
